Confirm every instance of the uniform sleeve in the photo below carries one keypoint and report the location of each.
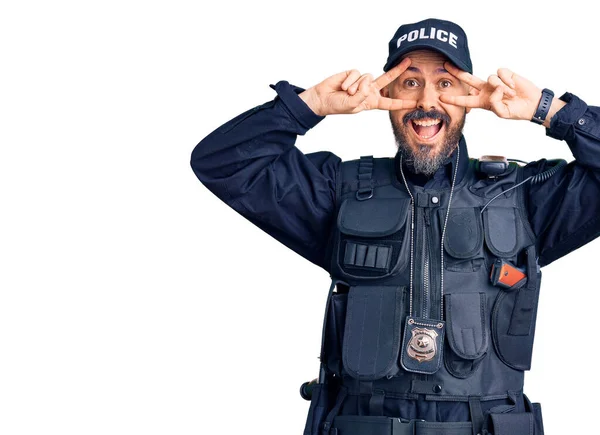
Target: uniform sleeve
(564, 210)
(252, 164)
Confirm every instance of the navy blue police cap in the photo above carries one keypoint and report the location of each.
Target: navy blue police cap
(443, 36)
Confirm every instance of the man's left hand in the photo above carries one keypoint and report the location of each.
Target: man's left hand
(506, 94)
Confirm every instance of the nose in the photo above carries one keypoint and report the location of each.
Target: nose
(428, 98)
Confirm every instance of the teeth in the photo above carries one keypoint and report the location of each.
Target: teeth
(427, 122)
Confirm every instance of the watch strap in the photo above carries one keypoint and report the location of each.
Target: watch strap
(543, 107)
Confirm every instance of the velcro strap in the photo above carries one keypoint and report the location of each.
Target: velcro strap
(513, 424)
(372, 425)
(376, 403)
(523, 316)
(435, 428)
(365, 183)
(476, 414)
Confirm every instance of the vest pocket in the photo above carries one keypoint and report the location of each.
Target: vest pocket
(372, 235)
(372, 332)
(467, 332)
(513, 318)
(463, 239)
(501, 233)
(513, 325)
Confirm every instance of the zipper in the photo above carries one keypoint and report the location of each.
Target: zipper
(426, 219)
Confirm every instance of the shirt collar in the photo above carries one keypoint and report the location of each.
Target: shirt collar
(442, 178)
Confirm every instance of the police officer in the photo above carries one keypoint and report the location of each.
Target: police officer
(435, 257)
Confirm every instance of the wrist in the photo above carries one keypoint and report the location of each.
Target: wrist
(557, 104)
(311, 98)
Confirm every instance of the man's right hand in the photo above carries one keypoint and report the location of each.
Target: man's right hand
(351, 92)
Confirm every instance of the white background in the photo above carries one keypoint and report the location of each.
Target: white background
(132, 299)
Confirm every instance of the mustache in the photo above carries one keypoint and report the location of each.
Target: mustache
(421, 114)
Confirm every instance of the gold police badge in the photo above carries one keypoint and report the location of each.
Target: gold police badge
(422, 345)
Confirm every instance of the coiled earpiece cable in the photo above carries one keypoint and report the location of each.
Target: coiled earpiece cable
(537, 178)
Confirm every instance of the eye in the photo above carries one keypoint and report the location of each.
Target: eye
(411, 83)
(445, 83)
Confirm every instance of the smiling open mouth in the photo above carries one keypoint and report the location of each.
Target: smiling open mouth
(426, 128)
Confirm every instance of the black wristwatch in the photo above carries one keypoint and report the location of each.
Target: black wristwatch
(544, 107)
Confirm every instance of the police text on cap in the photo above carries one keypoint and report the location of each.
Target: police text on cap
(439, 34)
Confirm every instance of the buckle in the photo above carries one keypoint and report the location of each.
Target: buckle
(364, 193)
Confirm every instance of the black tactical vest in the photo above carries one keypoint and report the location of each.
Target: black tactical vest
(383, 342)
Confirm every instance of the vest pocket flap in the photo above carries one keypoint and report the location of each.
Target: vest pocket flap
(331, 352)
(501, 231)
(521, 423)
(372, 331)
(464, 232)
(466, 324)
(373, 217)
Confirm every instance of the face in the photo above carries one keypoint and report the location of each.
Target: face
(428, 134)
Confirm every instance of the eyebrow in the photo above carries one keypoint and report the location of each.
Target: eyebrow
(415, 69)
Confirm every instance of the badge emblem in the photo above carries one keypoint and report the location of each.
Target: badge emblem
(422, 345)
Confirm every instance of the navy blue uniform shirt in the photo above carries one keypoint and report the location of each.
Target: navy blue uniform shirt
(251, 163)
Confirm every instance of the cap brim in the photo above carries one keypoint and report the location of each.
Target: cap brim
(448, 53)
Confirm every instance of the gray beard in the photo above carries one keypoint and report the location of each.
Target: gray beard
(423, 161)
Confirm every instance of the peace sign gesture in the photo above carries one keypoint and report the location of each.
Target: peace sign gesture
(351, 92)
(506, 94)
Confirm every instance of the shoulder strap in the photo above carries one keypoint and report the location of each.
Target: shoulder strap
(365, 178)
(361, 177)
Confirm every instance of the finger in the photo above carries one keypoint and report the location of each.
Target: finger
(507, 76)
(364, 87)
(498, 93)
(392, 74)
(496, 104)
(385, 103)
(464, 76)
(353, 75)
(495, 81)
(473, 101)
(355, 86)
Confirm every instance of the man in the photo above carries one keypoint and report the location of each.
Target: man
(434, 257)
